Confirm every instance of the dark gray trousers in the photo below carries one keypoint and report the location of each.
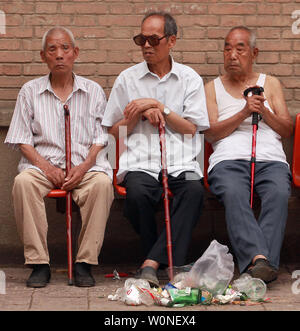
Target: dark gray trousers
(143, 195)
(230, 182)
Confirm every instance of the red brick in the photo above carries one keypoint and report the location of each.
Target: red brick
(10, 44)
(84, 8)
(267, 57)
(46, 8)
(206, 69)
(12, 7)
(89, 32)
(195, 9)
(276, 70)
(92, 56)
(13, 81)
(47, 20)
(192, 45)
(85, 20)
(86, 70)
(7, 56)
(290, 82)
(119, 56)
(193, 57)
(36, 69)
(272, 9)
(272, 45)
(214, 57)
(232, 9)
(121, 9)
(10, 69)
(230, 21)
(111, 69)
(193, 33)
(195, 20)
(14, 20)
(267, 20)
(290, 58)
(17, 32)
(9, 94)
(268, 33)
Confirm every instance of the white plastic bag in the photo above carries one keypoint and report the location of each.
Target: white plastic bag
(214, 270)
(134, 293)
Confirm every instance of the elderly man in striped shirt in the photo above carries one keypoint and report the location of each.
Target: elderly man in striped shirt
(37, 129)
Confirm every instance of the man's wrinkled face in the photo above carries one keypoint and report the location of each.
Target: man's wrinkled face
(59, 53)
(154, 25)
(238, 54)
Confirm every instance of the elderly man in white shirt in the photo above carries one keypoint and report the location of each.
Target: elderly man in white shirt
(159, 90)
(37, 129)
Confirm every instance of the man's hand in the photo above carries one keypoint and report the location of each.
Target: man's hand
(255, 104)
(154, 116)
(138, 106)
(74, 177)
(54, 175)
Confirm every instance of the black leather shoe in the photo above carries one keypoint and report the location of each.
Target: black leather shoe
(263, 270)
(83, 276)
(40, 276)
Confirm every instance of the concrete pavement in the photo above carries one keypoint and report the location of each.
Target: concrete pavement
(284, 293)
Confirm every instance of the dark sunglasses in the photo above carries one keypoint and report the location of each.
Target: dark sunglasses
(153, 40)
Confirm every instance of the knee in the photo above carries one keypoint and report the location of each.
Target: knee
(22, 180)
(136, 193)
(280, 194)
(102, 183)
(194, 191)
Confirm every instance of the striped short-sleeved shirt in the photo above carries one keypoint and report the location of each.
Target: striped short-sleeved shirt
(38, 120)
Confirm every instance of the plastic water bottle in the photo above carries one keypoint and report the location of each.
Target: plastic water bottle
(254, 288)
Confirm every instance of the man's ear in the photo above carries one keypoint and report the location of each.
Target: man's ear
(172, 41)
(42, 54)
(255, 52)
(76, 52)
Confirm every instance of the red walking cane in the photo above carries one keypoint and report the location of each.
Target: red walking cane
(257, 91)
(69, 193)
(162, 140)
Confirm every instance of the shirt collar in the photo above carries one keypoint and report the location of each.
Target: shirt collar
(77, 85)
(144, 70)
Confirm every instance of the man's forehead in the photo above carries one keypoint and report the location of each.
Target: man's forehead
(58, 37)
(237, 37)
(154, 23)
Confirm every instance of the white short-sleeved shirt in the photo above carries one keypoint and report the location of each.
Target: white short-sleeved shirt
(38, 120)
(182, 91)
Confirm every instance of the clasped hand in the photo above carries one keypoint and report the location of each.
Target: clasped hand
(148, 108)
(67, 183)
(255, 104)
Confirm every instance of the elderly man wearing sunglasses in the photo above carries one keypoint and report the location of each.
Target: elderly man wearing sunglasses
(159, 90)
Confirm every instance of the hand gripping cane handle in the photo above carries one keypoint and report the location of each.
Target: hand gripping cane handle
(257, 90)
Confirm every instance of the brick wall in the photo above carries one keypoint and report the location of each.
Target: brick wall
(104, 30)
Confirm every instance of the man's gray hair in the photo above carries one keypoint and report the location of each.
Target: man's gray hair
(170, 27)
(252, 36)
(54, 29)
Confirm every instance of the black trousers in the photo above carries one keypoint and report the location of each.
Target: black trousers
(143, 194)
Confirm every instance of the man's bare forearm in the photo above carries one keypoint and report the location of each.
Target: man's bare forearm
(30, 153)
